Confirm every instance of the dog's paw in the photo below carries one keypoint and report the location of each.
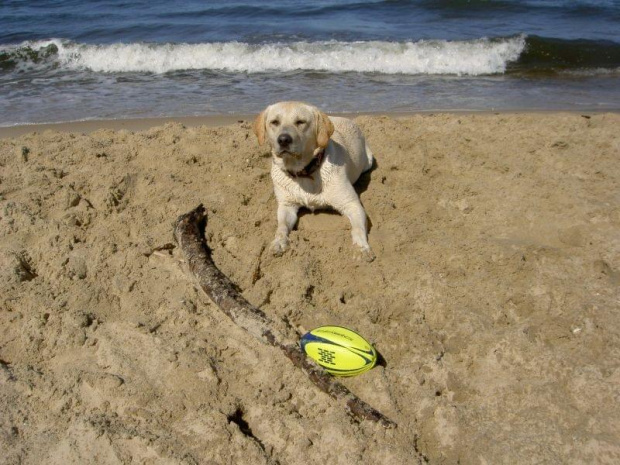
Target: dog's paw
(366, 254)
(279, 246)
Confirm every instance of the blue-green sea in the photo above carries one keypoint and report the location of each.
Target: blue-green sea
(66, 60)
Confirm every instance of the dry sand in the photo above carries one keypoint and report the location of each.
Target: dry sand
(494, 297)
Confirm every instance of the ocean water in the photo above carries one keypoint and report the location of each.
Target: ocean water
(66, 60)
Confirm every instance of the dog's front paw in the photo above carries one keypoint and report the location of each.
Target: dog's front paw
(279, 246)
(366, 254)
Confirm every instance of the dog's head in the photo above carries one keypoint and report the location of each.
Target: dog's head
(295, 131)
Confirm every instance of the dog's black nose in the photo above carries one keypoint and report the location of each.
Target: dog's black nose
(284, 140)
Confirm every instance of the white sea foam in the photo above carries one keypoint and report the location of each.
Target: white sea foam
(593, 72)
(475, 57)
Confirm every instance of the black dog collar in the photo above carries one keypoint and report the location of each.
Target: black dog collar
(311, 167)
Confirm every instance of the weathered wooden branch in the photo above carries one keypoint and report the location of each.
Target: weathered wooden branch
(189, 234)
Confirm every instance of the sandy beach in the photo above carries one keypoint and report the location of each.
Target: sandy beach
(494, 296)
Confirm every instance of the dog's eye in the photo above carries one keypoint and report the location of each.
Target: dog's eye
(275, 122)
(300, 122)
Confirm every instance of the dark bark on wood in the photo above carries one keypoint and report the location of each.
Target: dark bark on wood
(189, 235)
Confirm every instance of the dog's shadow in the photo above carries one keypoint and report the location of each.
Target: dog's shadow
(360, 186)
(364, 180)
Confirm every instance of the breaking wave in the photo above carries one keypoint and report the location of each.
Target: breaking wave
(511, 55)
(433, 57)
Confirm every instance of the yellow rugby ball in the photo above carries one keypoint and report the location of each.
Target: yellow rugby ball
(339, 350)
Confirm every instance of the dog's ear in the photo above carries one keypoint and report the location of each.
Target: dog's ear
(324, 129)
(259, 127)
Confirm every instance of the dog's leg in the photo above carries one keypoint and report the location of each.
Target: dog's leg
(357, 216)
(287, 217)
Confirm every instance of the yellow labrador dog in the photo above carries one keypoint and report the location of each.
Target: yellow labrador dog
(316, 160)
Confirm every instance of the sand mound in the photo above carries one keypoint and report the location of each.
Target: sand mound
(493, 298)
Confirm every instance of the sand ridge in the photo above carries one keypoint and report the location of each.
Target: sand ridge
(493, 297)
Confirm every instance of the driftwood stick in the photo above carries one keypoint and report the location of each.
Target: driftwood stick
(188, 232)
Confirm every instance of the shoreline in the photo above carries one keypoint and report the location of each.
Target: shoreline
(141, 124)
